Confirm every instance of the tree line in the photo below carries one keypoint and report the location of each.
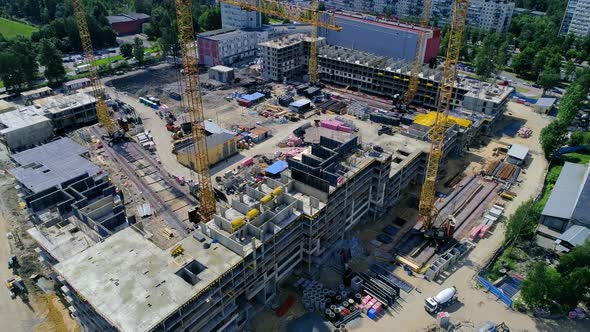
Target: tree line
(19, 62)
(554, 135)
(532, 47)
(162, 25)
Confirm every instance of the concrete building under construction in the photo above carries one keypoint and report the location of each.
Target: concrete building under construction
(286, 57)
(274, 227)
(71, 201)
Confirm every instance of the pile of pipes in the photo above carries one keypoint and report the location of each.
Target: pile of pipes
(334, 106)
(339, 306)
(379, 288)
(524, 132)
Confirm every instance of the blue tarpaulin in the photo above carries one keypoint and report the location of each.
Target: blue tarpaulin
(253, 97)
(277, 167)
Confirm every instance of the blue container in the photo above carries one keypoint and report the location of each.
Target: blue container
(372, 313)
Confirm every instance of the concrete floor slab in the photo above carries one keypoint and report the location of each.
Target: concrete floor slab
(131, 281)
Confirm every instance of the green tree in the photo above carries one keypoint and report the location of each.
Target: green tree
(541, 286)
(51, 58)
(549, 79)
(570, 70)
(577, 138)
(210, 19)
(138, 50)
(126, 50)
(579, 257)
(491, 55)
(523, 62)
(522, 224)
(27, 59)
(10, 74)
(322, 7)
(552, 137)
(265, 19)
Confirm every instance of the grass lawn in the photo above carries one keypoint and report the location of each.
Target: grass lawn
(1, 84)
(577, 157)
(10, 29)
(108, 60)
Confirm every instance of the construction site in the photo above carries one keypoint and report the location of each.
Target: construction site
(316, 187)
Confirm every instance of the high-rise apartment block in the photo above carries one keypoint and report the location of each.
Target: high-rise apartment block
(491, 15)
(577, 18)
(235, 17)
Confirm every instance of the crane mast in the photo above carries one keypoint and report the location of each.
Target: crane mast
(192, 92)
(427, 197)
(417, 65)
(309, 16)
(102, 111)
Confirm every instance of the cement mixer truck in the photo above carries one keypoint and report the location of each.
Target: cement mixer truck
(443, 299)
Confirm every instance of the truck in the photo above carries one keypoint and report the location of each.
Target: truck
(82, 68)
(443, 299)
(16, 286)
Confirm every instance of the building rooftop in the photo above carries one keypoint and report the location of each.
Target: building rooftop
(576, 235)
(60, 103)
(216, 136)
(546, 102)
(78, 81)
(30, 93)
(127, 17)
(209, 34)
(6, 106)
(288, 40)
(61, 241)
(222, 68)
(571, 194)
(135, 285)
(52, 164)
(19, 119)
(518, 151)
(300, 102)
(485, 91)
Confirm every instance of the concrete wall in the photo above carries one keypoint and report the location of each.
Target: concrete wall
(28, 137)
(381, 39)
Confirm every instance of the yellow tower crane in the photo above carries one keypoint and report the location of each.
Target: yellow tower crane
(309, 16)
(102, 110)
(428, 214)
(194, 103)
(418, 60)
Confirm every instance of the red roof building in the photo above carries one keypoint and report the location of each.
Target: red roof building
(128, 24)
